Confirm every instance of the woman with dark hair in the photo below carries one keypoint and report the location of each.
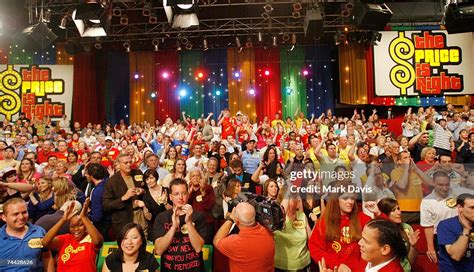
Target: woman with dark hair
(223, 157)
(339, 229)
(269, 166)
(131, 254)
(27, 172)
(271, 189)
(77, 250)
(388, 208)
(155, 197)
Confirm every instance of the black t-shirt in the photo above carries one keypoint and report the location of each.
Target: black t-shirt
(145, 262)
(416, 152)
(180, 255)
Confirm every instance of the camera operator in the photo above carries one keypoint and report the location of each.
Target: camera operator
(243, 257)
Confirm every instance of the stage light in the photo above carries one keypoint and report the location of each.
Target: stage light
(47, 16)
(266, 72)
(236, 74)
(91, 20)
(305, 72)
(117, 11)
(237, 42)
(136, 75)
(98, 45)
(155, 43)
(182, 93)
(126, 45)
(153, 19)
(252, 91)
(289, 90)
(63, 22)
(218, 93)
(124, 20)
(260, 36)
(200, 75)
(165, 75)
(153, 95)
(178, 46)
(205, 47)
(275, 41)
(182, 13)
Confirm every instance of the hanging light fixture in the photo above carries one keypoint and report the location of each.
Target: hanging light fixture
(126, 45)
(155, 43)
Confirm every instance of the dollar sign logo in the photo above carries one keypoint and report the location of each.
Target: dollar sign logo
(402, 75)
(10, 101)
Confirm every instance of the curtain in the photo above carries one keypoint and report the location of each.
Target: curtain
(85, 106)
(240, 99)
(319, 81)
(215, 86)
(143, 65)
(166, 63)
(62, 57)
(190, 66)
(352, 74)
(267, 86)
(293, 85)
(458, 100)
(115, 69)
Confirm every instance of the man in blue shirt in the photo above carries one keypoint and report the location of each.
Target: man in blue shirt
(250, 158)
(95, 173)
(20, 242)
(456, 238)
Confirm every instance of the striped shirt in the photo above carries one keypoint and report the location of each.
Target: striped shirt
(442, 137)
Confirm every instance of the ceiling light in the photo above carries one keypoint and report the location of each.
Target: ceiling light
(98, 45)
(47, 16)
(268, 8)
(260, 37)
(237, 42)
(275, 41)
(181, 13)
(178, 46)
(205, 46)
(153, 19)
(124, 20)
(117, 11)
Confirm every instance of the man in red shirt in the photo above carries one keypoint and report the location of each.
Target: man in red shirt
(45, 152)
(109, 153)
(242, 256)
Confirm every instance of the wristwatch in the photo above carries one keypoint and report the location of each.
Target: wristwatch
(228, 218)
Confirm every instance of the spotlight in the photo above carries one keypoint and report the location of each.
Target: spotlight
(268, 8)
(153, 95)
(293, 38)
(218, 93)
(165, 75)
(289, 90)
(297, 7)
(260, 36)
(266, 72)
(189, 46)
(305, 72)
(182, 93)
(200, 75)
(178, 46)
(98, 45)
(136, 75)
(265, 16)
(47, 16)
(236, 74)
(252, 91)
(91, 20)
(126, 45)
(181, 13)
(296, 14)
(146, 10)
(275, 41)
(249, 42)
(286, 37)
(155, 43)
(117, 11)
(205, 46)
(124, 19)
(153, 19)
(237, 42)
(63, 22)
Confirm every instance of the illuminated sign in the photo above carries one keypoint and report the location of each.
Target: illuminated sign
(425, 63)
(36, 91)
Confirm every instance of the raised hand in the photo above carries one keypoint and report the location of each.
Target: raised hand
(69, 213)
(413, 237)
(85, 208)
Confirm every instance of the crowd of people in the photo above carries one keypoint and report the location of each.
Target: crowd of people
(349, 188)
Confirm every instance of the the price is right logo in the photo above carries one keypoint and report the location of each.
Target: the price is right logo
(421, 60)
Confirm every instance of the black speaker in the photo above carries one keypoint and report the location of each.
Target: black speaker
(371, 16)
(459, 18)
(313, 23)
(40, 34)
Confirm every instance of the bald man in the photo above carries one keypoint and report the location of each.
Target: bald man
(242, 257)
